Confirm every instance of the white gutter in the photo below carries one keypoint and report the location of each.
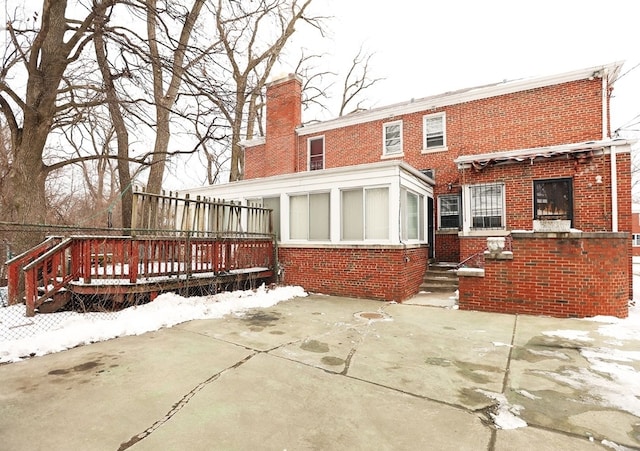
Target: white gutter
(614, 191)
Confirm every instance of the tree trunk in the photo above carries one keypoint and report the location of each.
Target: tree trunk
(122, 134)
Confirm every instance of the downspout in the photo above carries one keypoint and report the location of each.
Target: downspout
(614, 190)
(612, 155)
(605, 104)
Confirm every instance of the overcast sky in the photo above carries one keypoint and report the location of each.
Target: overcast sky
(425, 48)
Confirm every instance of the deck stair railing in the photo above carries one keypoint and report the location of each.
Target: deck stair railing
(171, 237)
(120, 260)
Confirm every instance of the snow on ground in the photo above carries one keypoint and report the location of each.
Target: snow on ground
(66, 330)
(610, 379)
(506, 416)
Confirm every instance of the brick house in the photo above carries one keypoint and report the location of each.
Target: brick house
(362, 202)
(635, 229)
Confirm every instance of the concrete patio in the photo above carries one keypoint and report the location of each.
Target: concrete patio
(320, 373)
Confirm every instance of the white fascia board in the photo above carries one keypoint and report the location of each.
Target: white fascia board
(252, 142)
(379, 173)
(465, 160)
(461, 96)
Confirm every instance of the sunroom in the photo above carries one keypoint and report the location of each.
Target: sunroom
(339, 230)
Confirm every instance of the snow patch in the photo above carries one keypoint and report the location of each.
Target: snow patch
(506, 415)
(70, 329)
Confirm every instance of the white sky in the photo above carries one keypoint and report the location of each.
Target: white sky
(426, 48)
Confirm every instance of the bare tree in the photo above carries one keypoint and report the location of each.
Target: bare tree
(117, 119)
(357, 81)
(43, 54)
(167, 79)
(252, 37)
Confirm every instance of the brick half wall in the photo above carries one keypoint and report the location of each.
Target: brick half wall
(562, 275)
(387, 273)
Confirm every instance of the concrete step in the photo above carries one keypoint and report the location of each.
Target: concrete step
(441, 277)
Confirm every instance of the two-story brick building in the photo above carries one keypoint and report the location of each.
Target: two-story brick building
(363, 201)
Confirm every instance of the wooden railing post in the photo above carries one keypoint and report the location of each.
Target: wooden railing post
(134, 260)
(13, 283)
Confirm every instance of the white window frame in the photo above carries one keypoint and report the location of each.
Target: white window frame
(309, 219)
(467, 218)
(458, 214)
(315, 138)
(417, 217)
(635, 239)
(365, 212)
(425, 119)
(385, 148)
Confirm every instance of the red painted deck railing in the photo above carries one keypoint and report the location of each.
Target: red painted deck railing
(100, 259)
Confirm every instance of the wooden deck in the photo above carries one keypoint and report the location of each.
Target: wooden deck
(121, 268)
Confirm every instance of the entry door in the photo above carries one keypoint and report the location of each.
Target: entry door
(430, 229)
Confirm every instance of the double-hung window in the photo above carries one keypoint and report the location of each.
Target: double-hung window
(449, 211)
(316, 153)
(635, 239)
(309, 216)
(553, 199)
(392, 138)
(365, 214)
(487, 206)
(434, 126)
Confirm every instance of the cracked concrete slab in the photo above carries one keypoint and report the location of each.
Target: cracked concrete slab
(324, 373)
(93, 397)
(274, 404)
(552, 378)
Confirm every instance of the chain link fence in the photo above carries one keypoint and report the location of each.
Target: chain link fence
(15, 324)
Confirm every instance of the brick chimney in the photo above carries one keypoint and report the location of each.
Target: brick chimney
(284, 114)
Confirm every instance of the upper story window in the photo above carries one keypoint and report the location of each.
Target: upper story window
(392, 138)
(309, 216)
(635, 239)
(434, 126)
(449, 211)
(316, 153)
(487, 209)
(553, 199)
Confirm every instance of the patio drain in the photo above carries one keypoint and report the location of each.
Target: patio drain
(372, 316)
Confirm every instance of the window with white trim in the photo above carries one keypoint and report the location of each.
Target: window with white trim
(273, 203)
(487, 206)
(434, 130)
(316, 153)
(412, 211)
(635, 239)
(392, 138)
(309, 216)
(365, 214)
(449, 213)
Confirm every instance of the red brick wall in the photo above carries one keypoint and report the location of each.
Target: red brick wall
(447, 247)
(254, 162)
(389, 274)
(533, 118)
(578, 276)
(284, 113)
